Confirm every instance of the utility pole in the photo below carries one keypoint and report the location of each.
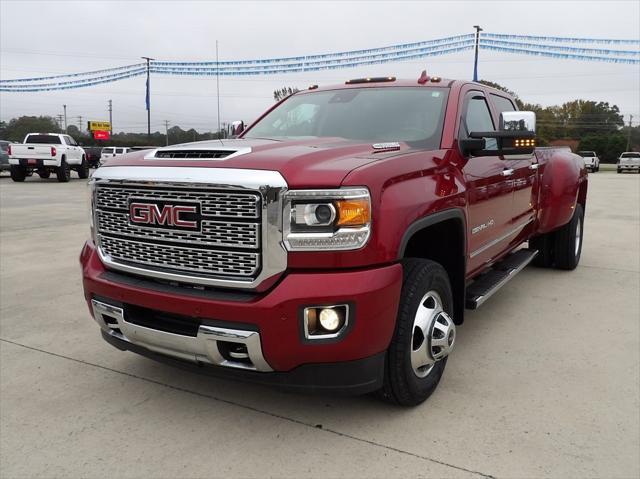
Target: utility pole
(65, 118)
(218, 86)
(475, 63)
(166, 129)
(80, 123)
(148, 99)
(629, 133)
(59, 116)
(110, 117)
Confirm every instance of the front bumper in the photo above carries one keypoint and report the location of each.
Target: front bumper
(356, 357)
(628, 167)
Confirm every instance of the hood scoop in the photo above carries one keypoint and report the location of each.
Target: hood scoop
(197, 153)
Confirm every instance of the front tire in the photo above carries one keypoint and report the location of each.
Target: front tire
(83, 169)
(568, 241)
(18, 173)
(424, 334)
(63, 172)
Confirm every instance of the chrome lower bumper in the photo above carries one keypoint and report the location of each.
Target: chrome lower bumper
(203, 347)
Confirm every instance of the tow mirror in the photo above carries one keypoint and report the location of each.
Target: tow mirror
(236, 128)
(516, 136)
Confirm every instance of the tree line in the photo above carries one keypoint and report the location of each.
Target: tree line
(17, 128)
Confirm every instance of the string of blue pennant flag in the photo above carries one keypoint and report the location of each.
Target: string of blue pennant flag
(568, 48)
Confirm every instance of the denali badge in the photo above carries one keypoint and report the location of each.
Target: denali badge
(164, 214)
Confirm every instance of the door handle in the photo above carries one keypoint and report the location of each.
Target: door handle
(508, 172)
(535, 166)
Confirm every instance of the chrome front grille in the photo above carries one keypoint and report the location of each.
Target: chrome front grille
(181, 259)
(236, 241)
(214, 233)
(227, 243)
(214, 203)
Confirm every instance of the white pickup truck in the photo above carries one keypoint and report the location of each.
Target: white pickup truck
(629, 161)
(591, 160)
(45, 153)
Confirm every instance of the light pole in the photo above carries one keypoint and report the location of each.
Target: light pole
(148, 101)
(475, 63)
(65, 118)
(110, 117)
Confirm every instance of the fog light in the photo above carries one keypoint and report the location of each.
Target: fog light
(325, 322)
(330, 319)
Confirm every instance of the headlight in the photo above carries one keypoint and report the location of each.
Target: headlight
(317, 220)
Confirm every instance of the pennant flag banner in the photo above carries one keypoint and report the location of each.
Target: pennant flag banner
(622, 51)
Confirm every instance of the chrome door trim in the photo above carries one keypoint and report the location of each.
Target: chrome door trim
(494, 242)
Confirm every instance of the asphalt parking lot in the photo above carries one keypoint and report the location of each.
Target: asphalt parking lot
(544, 381)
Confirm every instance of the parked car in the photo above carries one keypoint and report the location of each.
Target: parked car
(47, 153)
(93, 154)
(629, 161)
(113, 151)
(335, 245)
(4, 155)
(591, 160)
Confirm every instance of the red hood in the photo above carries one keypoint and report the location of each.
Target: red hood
(320, 162)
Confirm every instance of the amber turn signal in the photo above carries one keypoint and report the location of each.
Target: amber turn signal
(356, 212)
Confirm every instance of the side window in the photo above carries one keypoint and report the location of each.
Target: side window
(70, 141)
(502, 104)
(478, 118)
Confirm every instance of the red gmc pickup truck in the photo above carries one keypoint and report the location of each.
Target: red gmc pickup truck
(335, 245)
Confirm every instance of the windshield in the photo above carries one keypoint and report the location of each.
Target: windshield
(45, 139)
(630, 155)
(410, 114)
(586, 153)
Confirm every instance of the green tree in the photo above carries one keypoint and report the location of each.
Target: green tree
(18, 128)
(284, 92)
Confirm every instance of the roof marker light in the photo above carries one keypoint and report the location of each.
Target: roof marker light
(370, 80)
(424, 78)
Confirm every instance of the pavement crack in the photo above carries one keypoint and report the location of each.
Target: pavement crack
(257, 410)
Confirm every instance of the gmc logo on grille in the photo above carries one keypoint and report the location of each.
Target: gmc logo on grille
(164, 214)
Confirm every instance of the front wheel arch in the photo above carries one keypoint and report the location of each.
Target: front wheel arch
(424, 239)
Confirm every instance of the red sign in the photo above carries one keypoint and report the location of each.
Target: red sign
(101, 135)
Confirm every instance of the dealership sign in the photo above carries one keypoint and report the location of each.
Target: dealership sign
(101, 135)
(99, 125)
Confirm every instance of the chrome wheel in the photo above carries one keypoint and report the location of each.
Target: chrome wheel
(433, 334)
(578, 236)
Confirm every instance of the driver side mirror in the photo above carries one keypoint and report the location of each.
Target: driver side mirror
(516, 136)
(235, 128)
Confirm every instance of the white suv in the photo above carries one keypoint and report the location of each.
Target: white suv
(629, 160)
(591, 160)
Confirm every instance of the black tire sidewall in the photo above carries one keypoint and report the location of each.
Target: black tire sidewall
(64, 171)
(421, 276)
(566, 256)
(17, 173)
(83, 169)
